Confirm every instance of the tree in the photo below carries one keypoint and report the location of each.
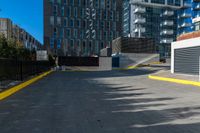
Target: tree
(4, 50)
(51, 60)
(13, 49)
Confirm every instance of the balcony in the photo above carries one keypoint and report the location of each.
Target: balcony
(140, 20)
(166, 40)
(137, 1)
(185, 24)
(167, 32)
(142, 30)
(196, 6)
(167, 23)
(187, 5)
(168, 13)
(140, 10)
(185, 15)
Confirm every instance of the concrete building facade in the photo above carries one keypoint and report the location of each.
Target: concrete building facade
(81, 27)
(12, 31)
(6, 27)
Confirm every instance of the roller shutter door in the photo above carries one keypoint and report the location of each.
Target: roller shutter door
(186, 60)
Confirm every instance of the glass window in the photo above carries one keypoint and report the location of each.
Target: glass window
(59, 43)
(75, 33)
(68, 33)
(114, 5)
(71, 2)
(52, 20)
(102, 3)
(65, 22)
(158, 1)
(105, 15)
(55, 32)
(102, 45)
(117, 16)
(78, 23)
(58, 21)
(72, 43)
(63, 11)
(97, 47)
(97, 3)
(55, 10)
(62, 32)
(79, 2)
(71, 22)
(59, 1)
(84, 24)
(68, 12)
(65, 2)
(51, 42)
(83, 13)
(75, 12)
(114, 26)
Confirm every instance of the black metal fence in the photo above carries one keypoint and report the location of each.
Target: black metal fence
(78, 61)
(18, 70)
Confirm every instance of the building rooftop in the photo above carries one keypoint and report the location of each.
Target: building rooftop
(188, 35)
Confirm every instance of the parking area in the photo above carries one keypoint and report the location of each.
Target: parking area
(102, 102)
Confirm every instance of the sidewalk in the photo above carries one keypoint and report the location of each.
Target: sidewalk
(4, 84)
(176, 78)
(83, 68)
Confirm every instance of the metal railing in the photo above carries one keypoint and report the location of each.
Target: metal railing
(19, 70)
(78, 61)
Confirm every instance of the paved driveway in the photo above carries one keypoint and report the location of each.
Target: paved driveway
(102, 102)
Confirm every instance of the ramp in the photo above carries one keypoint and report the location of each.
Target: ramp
(134, 59)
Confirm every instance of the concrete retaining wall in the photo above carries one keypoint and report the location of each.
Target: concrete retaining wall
(105, 63)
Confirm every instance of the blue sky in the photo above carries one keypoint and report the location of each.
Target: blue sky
(26, 13)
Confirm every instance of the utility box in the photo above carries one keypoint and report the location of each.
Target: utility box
(42, 55)
(105, 63)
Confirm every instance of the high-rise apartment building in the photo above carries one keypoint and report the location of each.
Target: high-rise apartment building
(189, 17)
(81, 27)
(155, 19)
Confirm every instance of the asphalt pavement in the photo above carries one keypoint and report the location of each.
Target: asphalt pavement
(102, 102)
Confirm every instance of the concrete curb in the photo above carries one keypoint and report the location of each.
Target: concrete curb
(173, 80)
(75, 71)
(19, 87)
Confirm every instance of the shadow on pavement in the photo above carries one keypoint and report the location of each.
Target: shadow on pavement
(114, 73)
(71, 102)
(120, 111)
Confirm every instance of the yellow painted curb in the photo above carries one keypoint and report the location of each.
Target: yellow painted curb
(179, 81)
(14, 89)
(128, 68)
(132, 67)
(155, 63)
